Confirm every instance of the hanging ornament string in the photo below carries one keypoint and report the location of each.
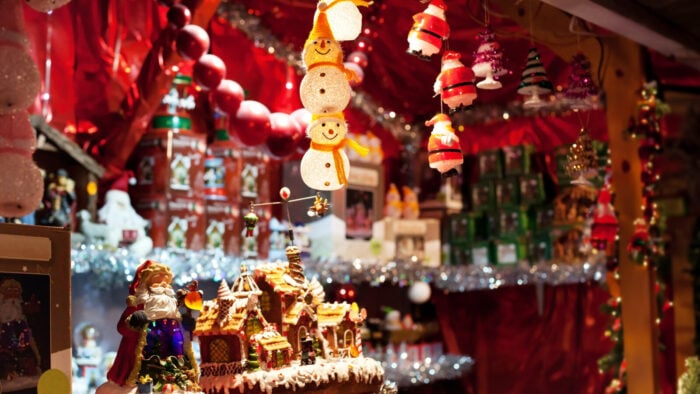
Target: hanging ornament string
(46, 94)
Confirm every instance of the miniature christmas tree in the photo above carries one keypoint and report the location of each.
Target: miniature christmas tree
(534, 81)
(689, 382)
(488, 61)
(581, 160)
(582, 92)
(252, 364)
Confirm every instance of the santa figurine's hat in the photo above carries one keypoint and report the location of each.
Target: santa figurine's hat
(438, 119)
(439, 4)
(450, 55)
(143, 273)
(122, 183)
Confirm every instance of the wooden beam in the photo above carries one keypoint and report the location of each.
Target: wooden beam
(623, 76)
(681, 232)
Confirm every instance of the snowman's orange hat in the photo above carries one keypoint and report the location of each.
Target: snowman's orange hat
(321, 28)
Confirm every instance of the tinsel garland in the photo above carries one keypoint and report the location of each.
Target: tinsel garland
(115, 268)
(427, 371)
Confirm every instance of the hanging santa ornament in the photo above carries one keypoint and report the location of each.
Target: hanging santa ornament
(581, 94)
(488, 61)
(429, 30)
(581, 162)
(605, 225)
(534, 81)
(640, 246)
(325, 166)
(325, 88)
(444, 150)
(455, 83)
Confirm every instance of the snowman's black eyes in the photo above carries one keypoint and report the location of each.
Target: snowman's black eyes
(328, 41)
(337, 125)
(323, 125)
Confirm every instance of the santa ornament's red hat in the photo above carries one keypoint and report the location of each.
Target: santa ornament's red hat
(137, 276)
(439, 3)
(122, 183)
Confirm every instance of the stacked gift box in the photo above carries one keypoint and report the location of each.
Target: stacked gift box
(505, 203)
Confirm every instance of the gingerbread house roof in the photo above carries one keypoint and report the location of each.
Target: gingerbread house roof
(331, 314)
(227, 313)
(271, 340)
(244, 285)
(297, 310)
(275, 274)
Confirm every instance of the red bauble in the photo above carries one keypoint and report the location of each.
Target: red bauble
(284, 133)
(209, 71)
(251, 125)
(192, 42)
(179, 15)
(303, 117)
(358, 58)
(228, 96)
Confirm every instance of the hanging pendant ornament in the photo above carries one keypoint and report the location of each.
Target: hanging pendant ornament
(250, 220)
(325, 166)
(534, 81)
(640, 246)
(325, 88)
(429, 30)
(444, 150)
(582, 93)
(488, 61)
(319, 207)
(455, 83)
(581, 162)
(605, 225)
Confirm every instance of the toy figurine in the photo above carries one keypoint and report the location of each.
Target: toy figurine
(444, 151)
(308, 354)
(19, 355)
(58, 201)
(455, 83)
(429, 30)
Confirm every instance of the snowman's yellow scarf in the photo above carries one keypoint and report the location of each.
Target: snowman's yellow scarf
(337, 158)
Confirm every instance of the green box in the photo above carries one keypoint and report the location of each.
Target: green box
(507, 193)
(490, 164)
(540, 247)
(540, 217)
(483, 196)
(460, 253)
(512, 222)
(516, 159)
(482, 253)
(509, 250)
(462, 227)
(485, 226)
(531, 189)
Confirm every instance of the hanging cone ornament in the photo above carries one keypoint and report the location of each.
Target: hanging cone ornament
(534, 81)
(455, 83)
(250, 220)
(582, 93)
(488, 61)
(429, 30)
(444, 150)
(581, 162)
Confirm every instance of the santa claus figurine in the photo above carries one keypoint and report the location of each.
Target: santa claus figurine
(19, 356)
(155, 341)
(125, 227)
(455, 83)
(444, 151)
(429, 30)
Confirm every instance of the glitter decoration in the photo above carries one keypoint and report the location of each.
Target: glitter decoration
(488, 61)
(582, 93)
(401, 370)
(46, 5)
(581, 162)
(19, 78)
(534, 81)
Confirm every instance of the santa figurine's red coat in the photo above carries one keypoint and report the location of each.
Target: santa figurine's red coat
(444, 150)
(455, 82)
(429, 30)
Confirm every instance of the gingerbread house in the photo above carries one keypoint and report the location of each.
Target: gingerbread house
(339, 328)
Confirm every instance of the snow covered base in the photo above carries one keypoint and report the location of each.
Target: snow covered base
(113, 388)
(19, 383)
(353, 375)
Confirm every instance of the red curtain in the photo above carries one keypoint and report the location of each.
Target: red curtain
(519, 350)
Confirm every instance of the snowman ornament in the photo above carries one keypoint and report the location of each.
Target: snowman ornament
(325, 166)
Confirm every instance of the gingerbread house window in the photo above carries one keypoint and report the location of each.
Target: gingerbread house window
(219, 351)
(348, 338)
(253, 327)
(265, 303)
(301, 334)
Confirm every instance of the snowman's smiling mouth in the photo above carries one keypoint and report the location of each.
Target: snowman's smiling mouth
(329, 138)
(323, 53)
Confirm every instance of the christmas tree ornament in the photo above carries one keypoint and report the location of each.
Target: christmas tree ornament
(251, 125)
(228, 96)
(581, 161)
(208, 71)
(581, 94)
(444, 150)
(178, 15)
(325, 166)
(429, 30)
(319, 207)
(359, 58)
(419, 292)
(284, 135)
(534, 81)
(640, 246)
(23, 184)
(343, 16)
(455, 83)
(46, 5)
(193, 297)
(192, 42)
(250, 220)
(488, 61)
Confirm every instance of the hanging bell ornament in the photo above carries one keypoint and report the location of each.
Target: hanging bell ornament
(319, 207)
(250, 219)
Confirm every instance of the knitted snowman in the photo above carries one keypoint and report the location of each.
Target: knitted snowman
(455, 83)
(444, 151)
(429, 30)
(325, 88)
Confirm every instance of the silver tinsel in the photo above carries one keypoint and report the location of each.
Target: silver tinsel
(429, 370)
(113, 268)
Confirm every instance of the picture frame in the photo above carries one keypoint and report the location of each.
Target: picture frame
(409, 240)
(361, 203)
(35, 261)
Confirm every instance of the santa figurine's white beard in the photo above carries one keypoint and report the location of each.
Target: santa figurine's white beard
(158, 302)
(11, 310)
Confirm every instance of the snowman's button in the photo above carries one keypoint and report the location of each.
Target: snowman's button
(327, 183)
(323, 74)
(328, 165)
(322, 91)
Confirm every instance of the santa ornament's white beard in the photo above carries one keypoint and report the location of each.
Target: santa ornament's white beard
(158, 302)
(11, 310)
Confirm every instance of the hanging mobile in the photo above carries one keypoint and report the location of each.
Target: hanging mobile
(250, 219)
